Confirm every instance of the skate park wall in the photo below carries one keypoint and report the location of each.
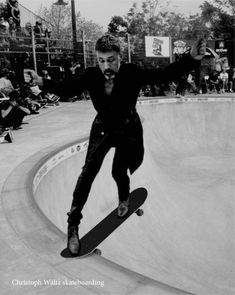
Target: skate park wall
(186, 236)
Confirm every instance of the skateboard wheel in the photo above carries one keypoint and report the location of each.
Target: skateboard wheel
(97, 252)
(140, 212)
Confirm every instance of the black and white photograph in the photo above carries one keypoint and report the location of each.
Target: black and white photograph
(117, 147)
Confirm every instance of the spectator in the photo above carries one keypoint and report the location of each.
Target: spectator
(3, 26)
(3, 32)
(231, 82)
(181, 86)
(11, 112)
(38, 95)
(13, 6)
(12, 27)
(214, 82)
(223, 77)
(51, 98)
(38, 31)
(5, 84)
(35, 93)
(28, 30)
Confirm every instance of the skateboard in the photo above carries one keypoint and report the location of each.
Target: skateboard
(105, 227)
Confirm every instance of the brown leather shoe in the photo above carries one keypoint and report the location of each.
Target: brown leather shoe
(73, 240)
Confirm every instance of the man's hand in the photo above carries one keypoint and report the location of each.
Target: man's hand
(33, 76)
(198, 49)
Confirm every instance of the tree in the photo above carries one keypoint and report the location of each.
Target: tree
(216, 20)
(59, 18)
(117, 26)
(152, 19)
(219, 15)
(136, 21)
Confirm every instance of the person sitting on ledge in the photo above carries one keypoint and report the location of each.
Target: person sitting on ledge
(11, 112)
(114, 88)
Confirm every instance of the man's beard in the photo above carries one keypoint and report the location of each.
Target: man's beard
(109, 74)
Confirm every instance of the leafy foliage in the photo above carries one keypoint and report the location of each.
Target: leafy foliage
(117, 26)
(219, 15)
(216, 20)
(59, 18)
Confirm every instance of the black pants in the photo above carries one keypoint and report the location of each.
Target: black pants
(14, 118)
(99, 145)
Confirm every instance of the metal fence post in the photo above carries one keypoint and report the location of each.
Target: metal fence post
(34, 50)
(129, 48)
(170, 49)
(84, 49)
(48, 50)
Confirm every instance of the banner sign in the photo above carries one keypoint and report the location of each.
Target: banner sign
(220, 47)
(157, 46)
(179, 47)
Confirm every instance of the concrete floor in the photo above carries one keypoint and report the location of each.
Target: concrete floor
(188, 227)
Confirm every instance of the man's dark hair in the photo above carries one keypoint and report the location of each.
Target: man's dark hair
(108, 43)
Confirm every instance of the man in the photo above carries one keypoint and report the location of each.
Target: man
(114, 89)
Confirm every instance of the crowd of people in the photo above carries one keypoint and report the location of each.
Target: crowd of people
(218, 81)
(20, 100)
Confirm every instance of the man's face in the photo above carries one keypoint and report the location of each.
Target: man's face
(109, 63)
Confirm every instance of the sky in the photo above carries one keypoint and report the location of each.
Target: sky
(101, 11)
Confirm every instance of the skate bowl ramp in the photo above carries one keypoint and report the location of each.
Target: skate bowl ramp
(186, 236)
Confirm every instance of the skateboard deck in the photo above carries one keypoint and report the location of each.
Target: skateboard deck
(105, 227)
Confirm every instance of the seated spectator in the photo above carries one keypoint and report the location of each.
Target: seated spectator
(231, 82)
(35, 93)
(26, 100)
(214, 82)
(223, 77)
(45, 75)
(5, 84)
(11, 112)
(38, 95)
(181, 87)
